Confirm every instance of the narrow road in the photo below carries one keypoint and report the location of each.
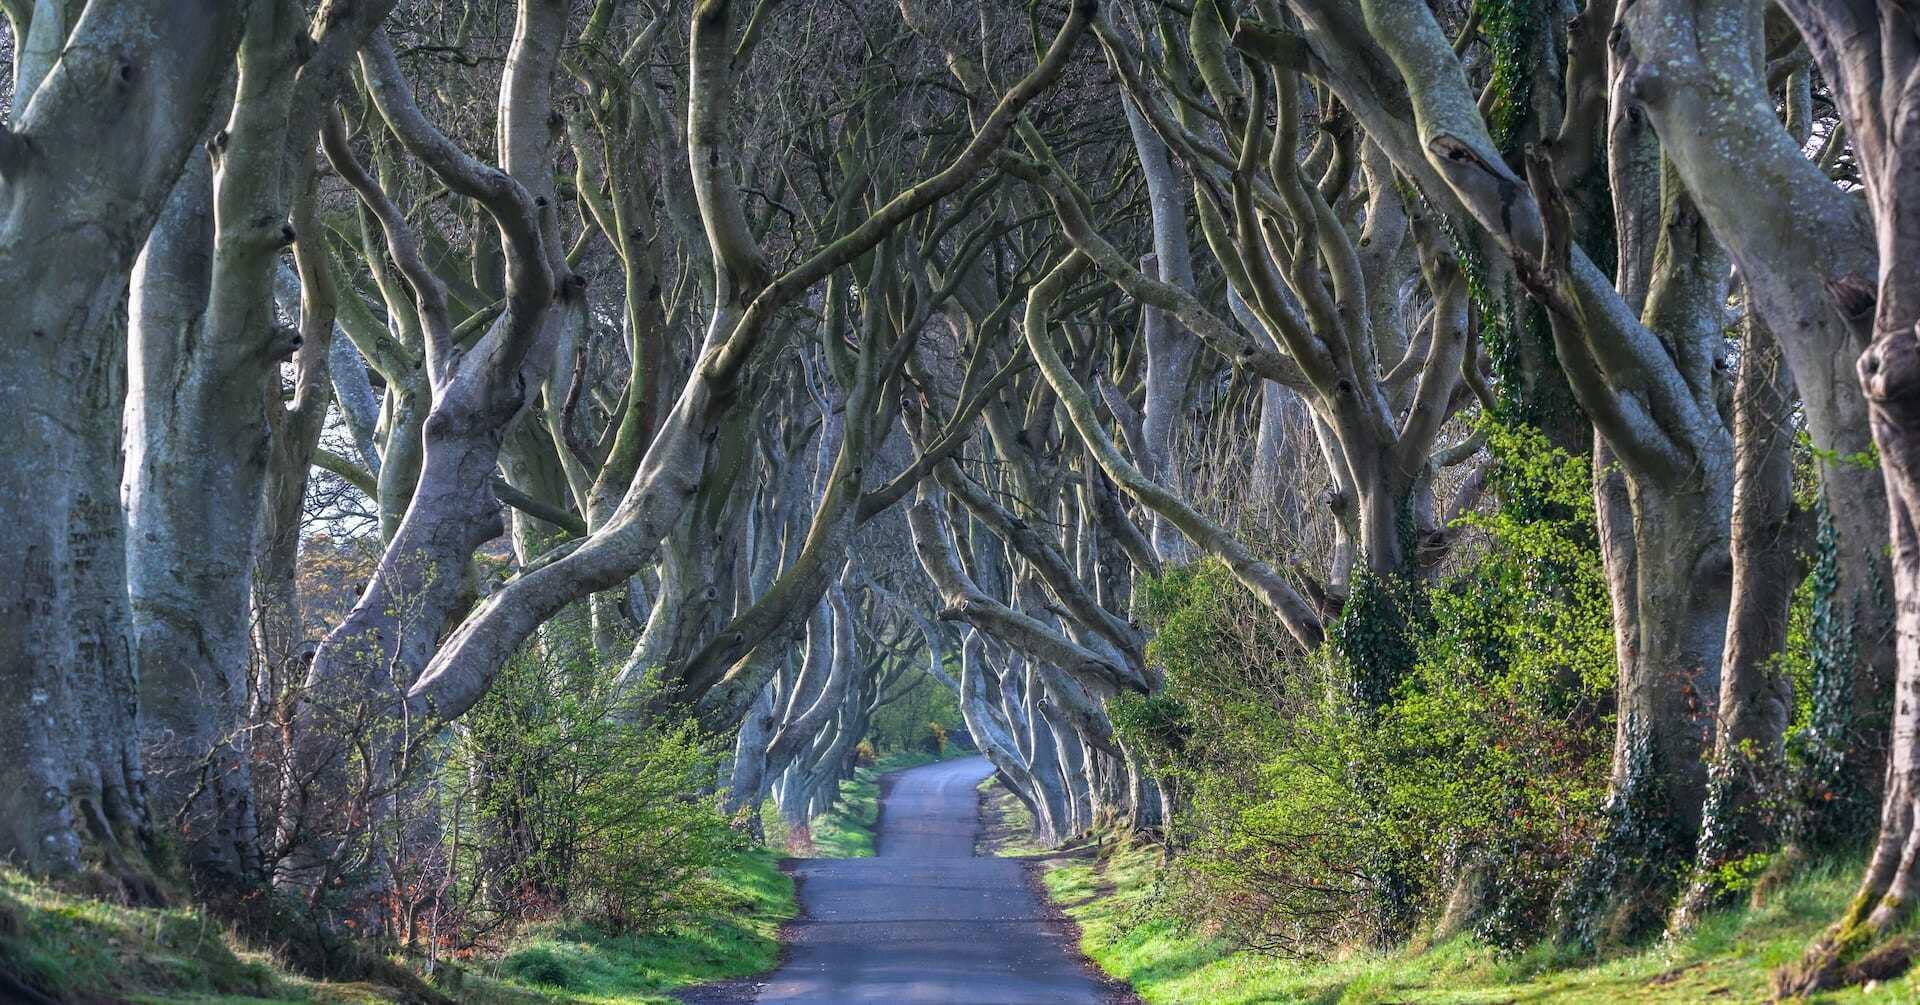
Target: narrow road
(926, 921)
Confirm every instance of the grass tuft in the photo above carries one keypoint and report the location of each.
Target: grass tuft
(68, 946)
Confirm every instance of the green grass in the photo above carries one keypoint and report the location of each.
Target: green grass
(1009, 824)
(1728, 958)
(573, 963)
(82, 949)
(71, 946)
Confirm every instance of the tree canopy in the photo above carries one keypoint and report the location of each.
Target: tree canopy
(1428, 463)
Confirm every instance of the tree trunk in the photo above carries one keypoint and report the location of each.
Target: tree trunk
(1671, 586)
(294, 432)
(357, 685)
(197, 459)
(747, 785)
(1871, 55)
(1755, 701)
(1170, 351)
(96, 145)
(1698, 68)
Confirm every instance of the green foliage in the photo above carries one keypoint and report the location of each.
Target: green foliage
(1532, 387)
(1837, 802)
(1510, 28)
(1375, 638)
(561, 801)
(1158, 720)
(734, 937)
(1323, 799)
(1517, 335)
(1747, 809)
(540, 965)
(1623, 887)
(1868, 459)
(901, 724)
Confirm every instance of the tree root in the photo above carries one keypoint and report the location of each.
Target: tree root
(1849, 953)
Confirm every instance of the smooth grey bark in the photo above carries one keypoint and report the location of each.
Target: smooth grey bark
(1698, 68)
(630, 125)
(294, 433)
(352, 391)
(827, 677)
(209, 434)
(190, 546)
(854, 425)
(823, 721)
(1102, 629)
(1755, 702)
(1021, 698)
(778, 533)
(990, 729)
(97, 143)
(373, 656)
(1301, 621)
(1170, 351)
(966, 601)
(1324, 310)
(1670, 439)
(392, 347)
(746, 784)
(1870, 53)
(796, 693)
(1050, 665)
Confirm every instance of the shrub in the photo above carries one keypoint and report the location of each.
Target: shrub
(936, 739)
(1326, 798)
(540, 965)
(562, 802)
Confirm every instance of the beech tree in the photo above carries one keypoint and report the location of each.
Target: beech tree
(1865, 51)
(107, 101)
(197, 451)
(753, 367)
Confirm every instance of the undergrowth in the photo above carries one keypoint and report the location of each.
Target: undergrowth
(737, 937)
(75, 949)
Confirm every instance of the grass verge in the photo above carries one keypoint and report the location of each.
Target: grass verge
(1006, 825)
(1728, 958)
(574, 963)
(76, 949)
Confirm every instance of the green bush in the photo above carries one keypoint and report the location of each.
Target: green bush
(540, 965)
(901, 724)
(1322, 798)
(562, 802)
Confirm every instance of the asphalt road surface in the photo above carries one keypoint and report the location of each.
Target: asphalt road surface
(926, 921)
